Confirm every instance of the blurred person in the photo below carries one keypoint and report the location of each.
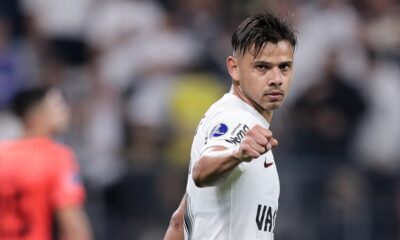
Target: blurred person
(382, 91)
(344, 212)
(316, 42)
(55, 31)
(14, 64)
(193, 15)
(328, 113)
(380, 160)
(233, 186)
(155, 83)
(129, 36)
(39, 178)
(201, 89)
(16, 69)
(380, 28)
(327, 117)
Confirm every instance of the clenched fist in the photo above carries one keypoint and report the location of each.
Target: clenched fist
(258, 140)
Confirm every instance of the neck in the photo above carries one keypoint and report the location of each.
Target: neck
(31, 131)
(237, 91)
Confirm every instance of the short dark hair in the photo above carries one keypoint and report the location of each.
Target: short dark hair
(259, 29)
(26, 99)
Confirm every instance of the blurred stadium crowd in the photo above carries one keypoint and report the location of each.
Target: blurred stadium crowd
(139, 74)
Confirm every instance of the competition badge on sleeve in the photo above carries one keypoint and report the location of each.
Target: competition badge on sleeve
(219, 130)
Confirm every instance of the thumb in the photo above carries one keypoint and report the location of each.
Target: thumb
(273, 142)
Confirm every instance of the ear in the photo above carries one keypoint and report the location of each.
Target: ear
(233, 69)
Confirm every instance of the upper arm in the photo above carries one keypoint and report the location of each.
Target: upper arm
(223, 133)
(226, 131)
(67, 196)
(67, 188)
(213, 149)
(226, 124)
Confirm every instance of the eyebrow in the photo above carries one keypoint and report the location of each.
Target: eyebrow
(259, 62)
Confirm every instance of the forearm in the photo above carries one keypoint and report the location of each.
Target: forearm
(214, 165)
(175, 228)
(74, 224)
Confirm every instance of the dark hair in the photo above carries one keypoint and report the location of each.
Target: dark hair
(26, 99)
(256, 30)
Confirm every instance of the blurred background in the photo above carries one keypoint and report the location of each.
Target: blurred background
(139, 74)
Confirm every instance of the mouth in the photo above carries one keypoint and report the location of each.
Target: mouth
(274, 95)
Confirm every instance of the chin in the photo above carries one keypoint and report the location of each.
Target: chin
(273, 106)
(61, 128)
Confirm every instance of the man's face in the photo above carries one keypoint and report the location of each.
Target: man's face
(264, 79)
(55, 111)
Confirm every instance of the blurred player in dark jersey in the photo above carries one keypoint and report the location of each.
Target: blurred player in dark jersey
(39, 178)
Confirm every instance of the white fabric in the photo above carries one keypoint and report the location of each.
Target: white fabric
(228, 211)
(59, 18)
(377, 142)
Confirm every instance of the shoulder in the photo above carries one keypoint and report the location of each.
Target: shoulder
(61, 147)
(4, 144)
(64, 150)
(225, 118)
(60, 153)
(7, 146)
(228, 126)
(231, 117)
(229, 106)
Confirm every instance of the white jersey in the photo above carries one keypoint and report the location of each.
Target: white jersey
(244, 205)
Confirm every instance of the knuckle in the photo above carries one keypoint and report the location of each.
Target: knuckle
(250, 132)
(261, 150)
(246, 142)
(269, 133)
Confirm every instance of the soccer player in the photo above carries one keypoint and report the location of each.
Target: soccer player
(233, 186)
(39, 177)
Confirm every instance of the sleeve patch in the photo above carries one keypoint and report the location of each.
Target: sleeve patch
(219, 130)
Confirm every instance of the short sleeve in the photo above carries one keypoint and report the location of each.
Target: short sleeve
(67, 188)
(228, 129)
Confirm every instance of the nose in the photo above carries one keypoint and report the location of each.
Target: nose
(276, 78)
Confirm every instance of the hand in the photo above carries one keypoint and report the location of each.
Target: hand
(258, 140)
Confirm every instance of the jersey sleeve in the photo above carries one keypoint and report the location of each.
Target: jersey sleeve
(67, 187)
(228, 129)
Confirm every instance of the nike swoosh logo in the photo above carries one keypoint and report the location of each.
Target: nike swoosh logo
(266, 165)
